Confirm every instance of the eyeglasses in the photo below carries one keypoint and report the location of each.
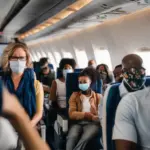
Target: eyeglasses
(22, 58)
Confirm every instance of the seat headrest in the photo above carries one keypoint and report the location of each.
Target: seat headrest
(51, 66)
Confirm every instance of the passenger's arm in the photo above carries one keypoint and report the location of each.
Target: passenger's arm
(39, 103)
(46, 88)
(21, 122)
(53, 96)
(125, 145)
(95, 117)
(100, 111)
(125, 134)
(73, 113)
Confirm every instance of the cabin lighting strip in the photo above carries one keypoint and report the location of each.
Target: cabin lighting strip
(58, 17)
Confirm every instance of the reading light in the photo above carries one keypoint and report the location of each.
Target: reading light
(59, 16)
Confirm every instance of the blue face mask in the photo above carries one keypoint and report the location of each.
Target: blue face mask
(84, 86)
(65, 71)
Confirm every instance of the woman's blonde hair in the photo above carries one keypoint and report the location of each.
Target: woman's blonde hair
(8, 52)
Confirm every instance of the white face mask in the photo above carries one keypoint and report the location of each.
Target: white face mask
(65, 71)
(18, 66)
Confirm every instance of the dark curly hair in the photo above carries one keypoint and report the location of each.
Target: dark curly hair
(43, 61)
(65, 61)
(89, 72)
(62, 64)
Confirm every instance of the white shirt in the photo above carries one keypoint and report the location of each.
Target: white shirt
(8, 137)
(123, 90)
(86, 106)
(132, 121)
(61, 93)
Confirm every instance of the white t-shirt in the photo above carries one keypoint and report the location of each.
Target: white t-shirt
(61, 93)
(132, 121)
(8, 137)
(86, 106)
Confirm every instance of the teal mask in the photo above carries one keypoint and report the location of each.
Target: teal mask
(84, 86)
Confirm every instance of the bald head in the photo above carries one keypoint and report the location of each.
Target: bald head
(132, 61)
(91, 62)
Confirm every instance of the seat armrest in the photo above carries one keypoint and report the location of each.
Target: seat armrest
(63, 122)
(43, 130)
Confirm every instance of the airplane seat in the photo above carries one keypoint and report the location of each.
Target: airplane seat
(1, 72)
(110, 102)
(62, 124)
(59, 73)
(147, 83)
(51, 66)
(36, 67)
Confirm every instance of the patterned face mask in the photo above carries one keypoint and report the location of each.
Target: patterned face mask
(134, 77)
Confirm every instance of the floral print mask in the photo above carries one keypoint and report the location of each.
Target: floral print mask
(134, 77)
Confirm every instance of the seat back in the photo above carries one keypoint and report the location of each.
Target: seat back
(51, 66)
(36, 66)
(110, 103)
(58, 73)
(72, 85)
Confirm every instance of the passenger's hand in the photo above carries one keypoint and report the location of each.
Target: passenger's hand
(95, 118)
(11, 106)
(88, 115)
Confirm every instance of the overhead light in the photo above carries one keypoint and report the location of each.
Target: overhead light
(61, 15)
(71, 9)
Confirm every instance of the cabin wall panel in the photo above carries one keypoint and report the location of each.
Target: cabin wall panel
(119, 36)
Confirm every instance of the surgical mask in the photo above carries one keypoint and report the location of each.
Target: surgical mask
(135, 78)
(18, 66)
(65, 71)
(84, 86)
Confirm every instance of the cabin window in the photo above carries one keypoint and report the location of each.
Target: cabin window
(51, 59)
(102, 56)
(67, 55)
(2, 47)
(39, 55)
(43, 54)
(145, 56)
(57, 57)
(36, 58)
(32, 58)
(82, 59)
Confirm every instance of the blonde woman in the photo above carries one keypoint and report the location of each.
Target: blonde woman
(19, 79)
